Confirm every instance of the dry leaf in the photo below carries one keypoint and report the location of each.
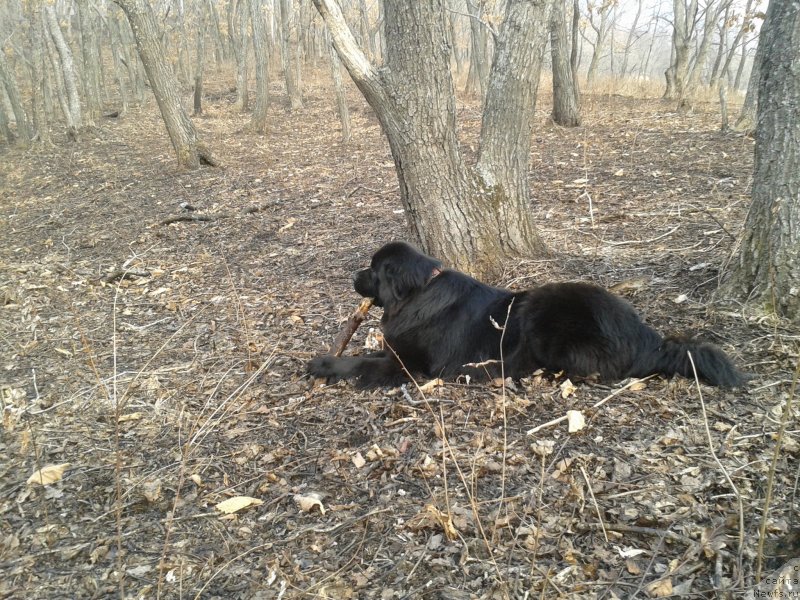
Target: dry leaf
(237, 503)
(567, 389)
(130, 417)
(543, 447)
(638, 386)
(308, 501)
(432, 518)
(289, 224)
(660, 588)
(576, 421)
(358, 460)
(48, 474)
(198, 481)
(431, 385)
(151, 490)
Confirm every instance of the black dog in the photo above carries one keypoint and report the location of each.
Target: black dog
(442, 323)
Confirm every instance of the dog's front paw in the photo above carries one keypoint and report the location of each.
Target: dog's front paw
(321, 366)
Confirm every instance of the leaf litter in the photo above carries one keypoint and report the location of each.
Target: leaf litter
(179, 387)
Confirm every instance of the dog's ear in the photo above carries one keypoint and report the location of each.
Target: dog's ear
(405, 277)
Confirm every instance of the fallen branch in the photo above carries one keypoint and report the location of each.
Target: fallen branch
(343, 337)
(188, 218)
(346, 333)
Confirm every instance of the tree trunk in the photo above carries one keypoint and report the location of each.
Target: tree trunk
(682, 32)
(747, 116)
(91, 75)
(67, 69)
(479, 55)
(341, 99)
(473, 218)
(601, 31)
(565, 97)
(290, 46)
(710, 20)
(10, 85)
(630, 40)
(190, 152)
(239, 35)
(768, 266)
(258, 121)
(35, 60)
(200, 57)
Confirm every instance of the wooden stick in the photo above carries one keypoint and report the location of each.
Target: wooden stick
(346, 333)
(353, 322)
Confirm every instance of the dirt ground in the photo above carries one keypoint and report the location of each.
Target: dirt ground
(163, 361)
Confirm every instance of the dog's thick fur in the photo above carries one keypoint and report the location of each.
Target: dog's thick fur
(442, 323)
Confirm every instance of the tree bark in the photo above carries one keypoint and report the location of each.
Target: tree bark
(188, 149)
(479, 56)
(747, 116)
(75, 121)
(473, 218)
(9, 83)
(239, 39)
(258, 120)
(566, 110)
(341, 99)
(682, 32)
(601, 31)
(768, 267)
(290, 46)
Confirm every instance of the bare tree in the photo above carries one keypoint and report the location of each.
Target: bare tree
(9, 85)
(480, 53)
(200, 55)
(683, 19)
(258, 121)
(290, 47)
(599, 18)
(473, 217)
(631, 39)
(710, 20)
(566, 102)
(189, 150)
(91, 74)
(768, 267)
(67, 71)
(238, 14)
(341, 99)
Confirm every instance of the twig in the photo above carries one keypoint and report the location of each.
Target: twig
(597, 405)
(594, 501)
(762, 530)
(630, 242)
(188, 218)
(722, 468)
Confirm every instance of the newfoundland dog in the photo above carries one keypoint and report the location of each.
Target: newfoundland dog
(441, 323)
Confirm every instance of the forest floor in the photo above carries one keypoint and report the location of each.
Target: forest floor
(180, 384)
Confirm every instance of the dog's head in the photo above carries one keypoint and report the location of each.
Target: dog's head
(396, 272)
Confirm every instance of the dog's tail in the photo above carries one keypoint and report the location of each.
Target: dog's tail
(672, 357)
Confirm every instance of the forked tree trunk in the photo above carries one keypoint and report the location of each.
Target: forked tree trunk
(471, 217)
(189, 150)
(768, 268)
(683, 27)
